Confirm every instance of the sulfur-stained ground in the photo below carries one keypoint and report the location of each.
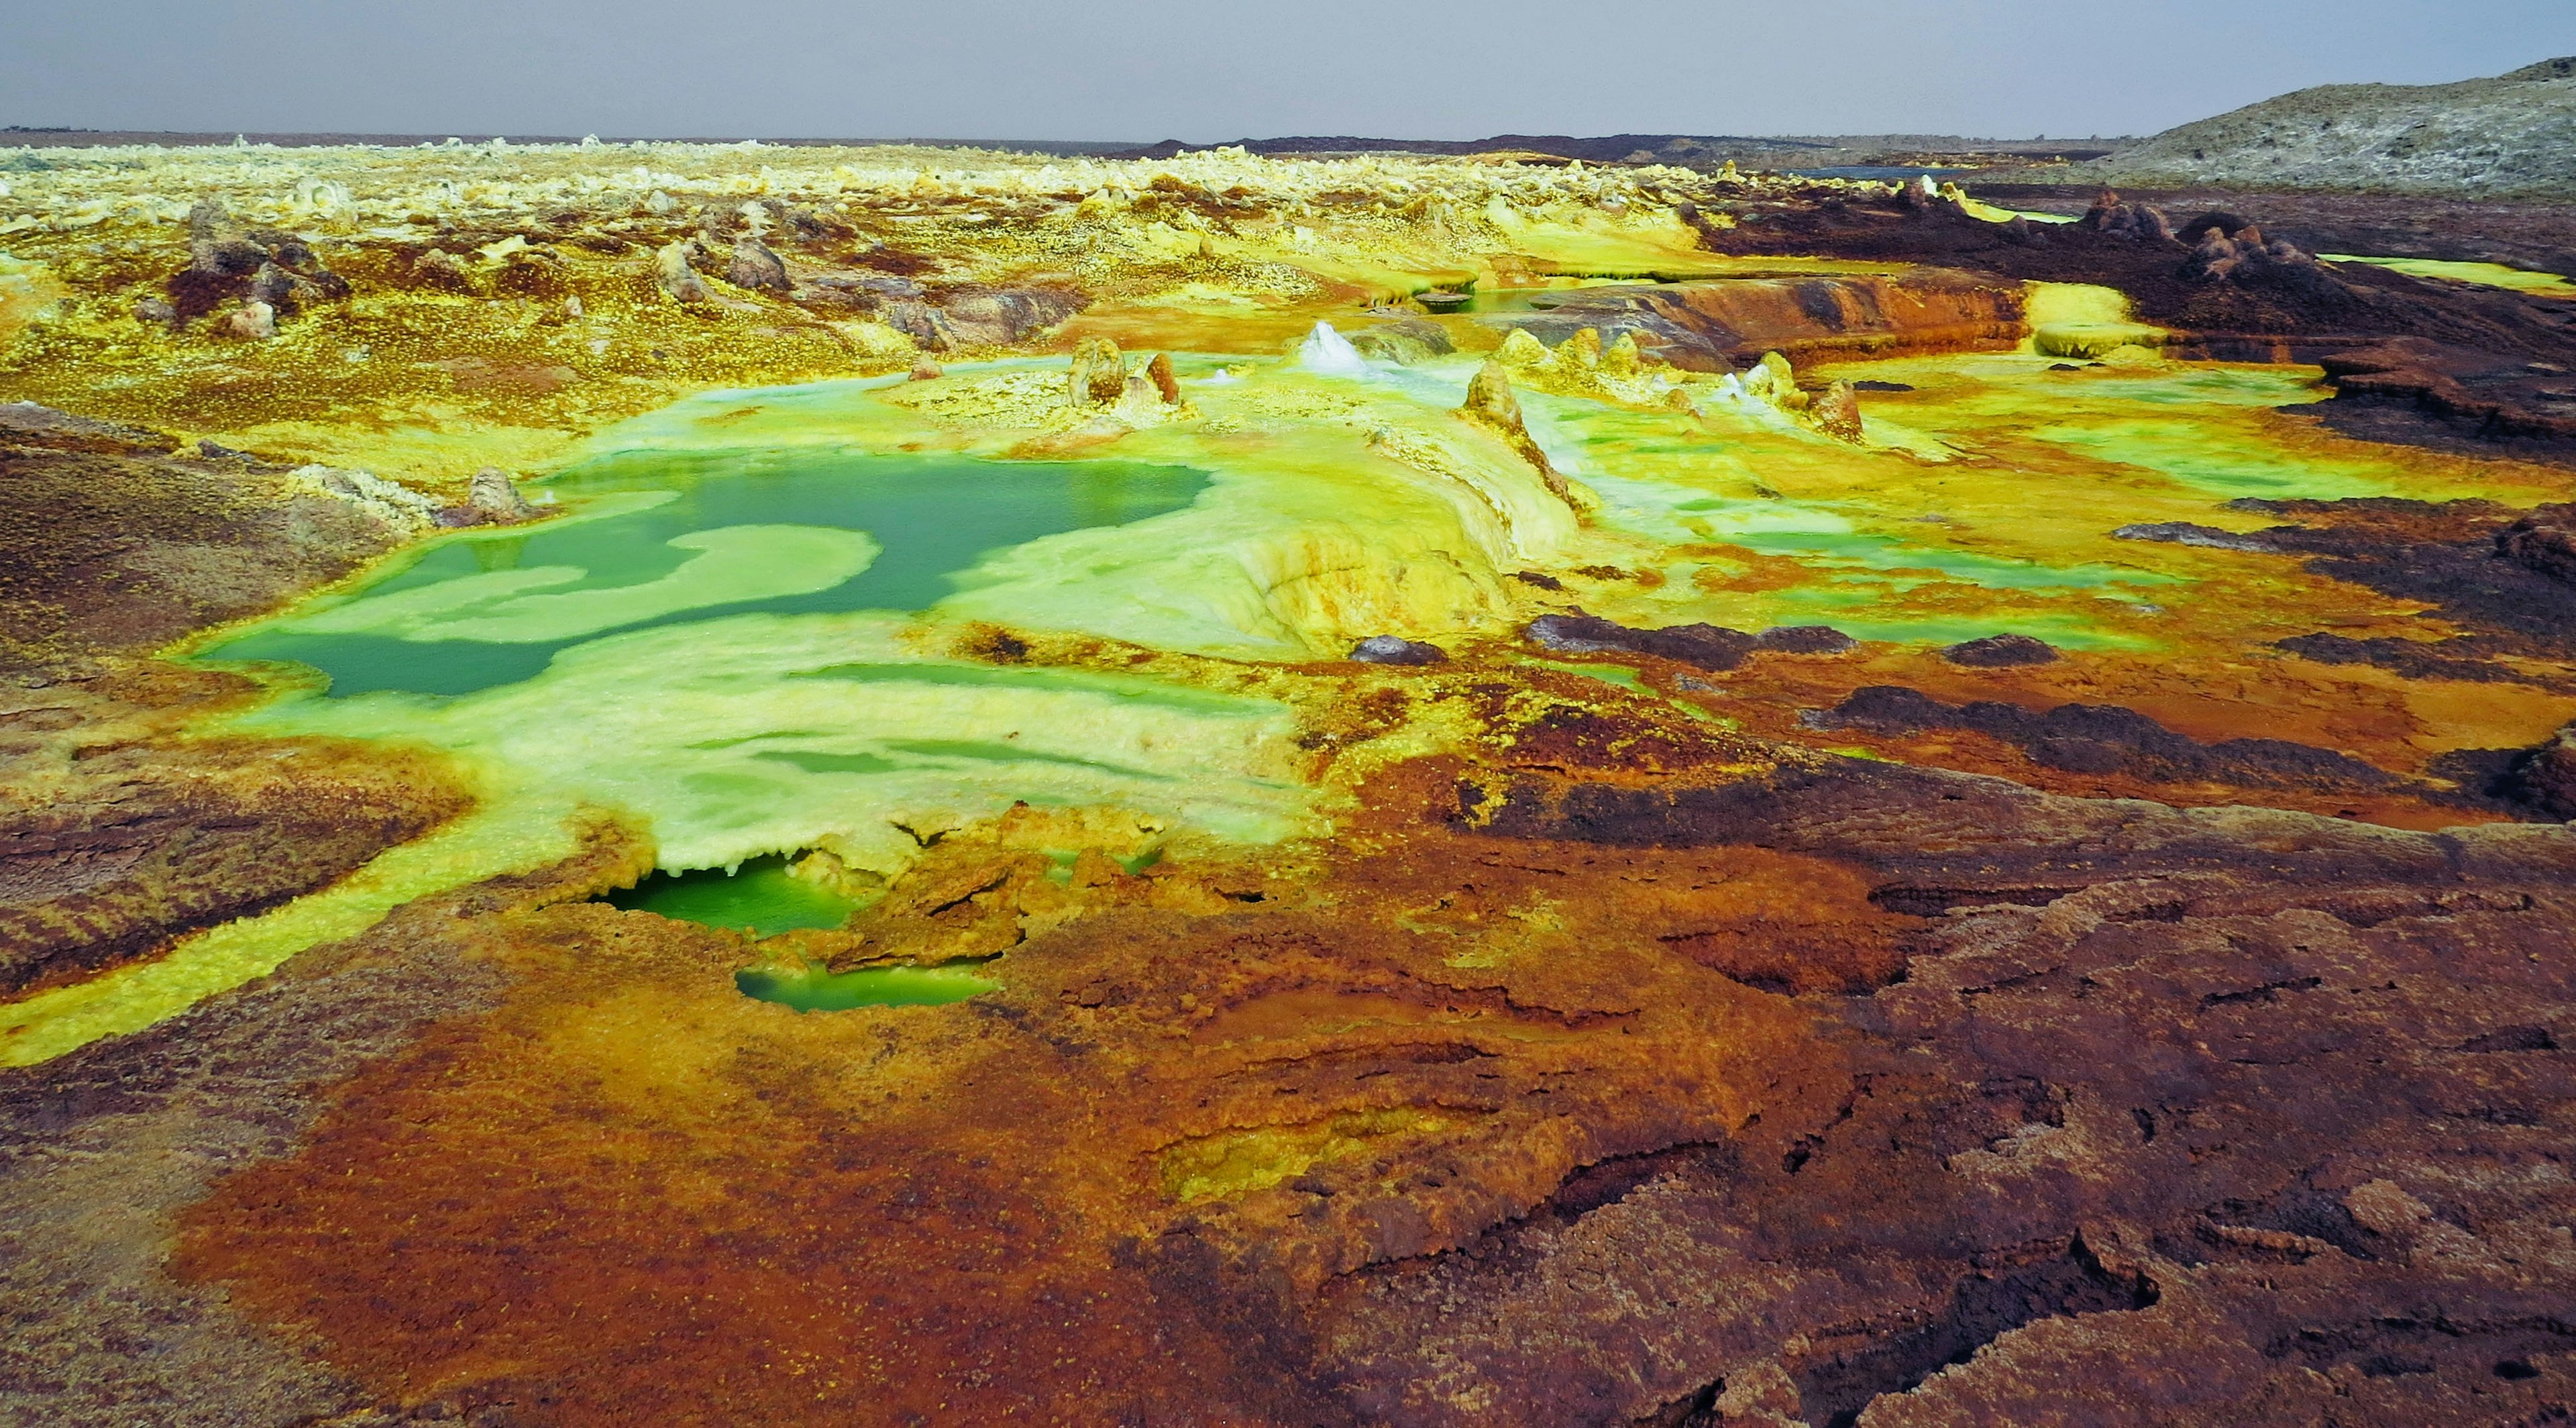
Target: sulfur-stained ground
(1969, 872)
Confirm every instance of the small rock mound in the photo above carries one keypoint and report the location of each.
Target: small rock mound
(2245, 254)
(671, 269)
(1711, 647)
(1805, 640)
(2000, 652)
(1099, 376)
(1492, 405)
(2187, 533)
(1395, 649)
(2112, 216)
(2544, 541)
(490, 501)
(228, 262)
(1167, 384)
(756, 268)
(1836, 410)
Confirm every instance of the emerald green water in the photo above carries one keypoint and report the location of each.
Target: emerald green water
(701, 535)
(814, 989)
(761, 898)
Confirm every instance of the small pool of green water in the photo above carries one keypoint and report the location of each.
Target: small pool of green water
(695, 535)
(815, 989)
(761, 897)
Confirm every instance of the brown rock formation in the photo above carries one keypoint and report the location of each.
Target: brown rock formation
(671, 268)
(491, 500)
(1099, 375)
(1492, 405)
(754, 266)
(139, 546)
(1719, 326)
(1836, 410)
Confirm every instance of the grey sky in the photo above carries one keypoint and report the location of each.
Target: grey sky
(1221, 69)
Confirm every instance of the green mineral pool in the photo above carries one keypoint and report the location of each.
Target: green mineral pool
(673, 537)
(815, 989)
(761, 898)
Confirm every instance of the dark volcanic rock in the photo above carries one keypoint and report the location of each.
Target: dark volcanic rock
(2099, 738)
(2000, 652)
(131, 855)
(102, 1149)
(2101, 1159)
(1710, 647)
(2475, 563)
(1805, 639)
(2234, 293)
(2544, 541)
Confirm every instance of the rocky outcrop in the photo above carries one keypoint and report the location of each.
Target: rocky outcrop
(1835, 410)
(228, 262)
(1700, 646)
(1492, 405)
(1717, 326)
(1166, 384)
(2544, 541)
(1395, 649)
(140, 545)
(2113, 218)
(2000, 652)
(146, 844)
(678, 279)
(2481, 137)
(492, 499)
(2490, 396)
(1099, 374)
(1400, 337)
(970, 316)
(755, 267)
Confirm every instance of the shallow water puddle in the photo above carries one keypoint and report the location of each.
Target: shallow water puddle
(811, 989)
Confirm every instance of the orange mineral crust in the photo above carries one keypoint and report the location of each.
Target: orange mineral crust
(630, 1190)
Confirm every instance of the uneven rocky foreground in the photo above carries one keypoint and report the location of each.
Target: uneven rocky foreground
(1736, 801)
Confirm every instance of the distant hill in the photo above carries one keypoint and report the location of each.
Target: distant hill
(2511, 136)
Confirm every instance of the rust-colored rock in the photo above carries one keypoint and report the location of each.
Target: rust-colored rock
(1099, 375)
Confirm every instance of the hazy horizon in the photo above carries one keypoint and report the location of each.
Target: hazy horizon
(1122, 72)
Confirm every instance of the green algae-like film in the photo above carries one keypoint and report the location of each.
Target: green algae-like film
(813, 989)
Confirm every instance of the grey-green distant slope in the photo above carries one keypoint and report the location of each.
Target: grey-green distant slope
(2512, 136)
